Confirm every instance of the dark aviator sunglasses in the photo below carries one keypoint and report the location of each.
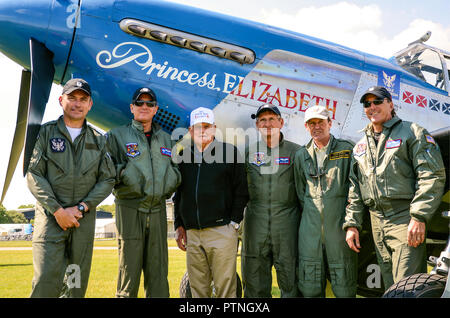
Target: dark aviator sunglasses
(367, 104)
(149, 103)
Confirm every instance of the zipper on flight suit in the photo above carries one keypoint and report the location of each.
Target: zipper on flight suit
(196, 195)
(374, 173)
(151, 164)
(322, 218)
(319, 184)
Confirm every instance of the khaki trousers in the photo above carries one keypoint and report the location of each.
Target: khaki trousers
(211, 256)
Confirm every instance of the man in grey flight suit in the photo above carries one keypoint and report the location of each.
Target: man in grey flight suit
(146, 177)
(321, 171)
(70, 173)
(397, 173)
(272, 216)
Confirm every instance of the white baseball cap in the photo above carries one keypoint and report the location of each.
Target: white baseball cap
(317, 111)
(202, 115)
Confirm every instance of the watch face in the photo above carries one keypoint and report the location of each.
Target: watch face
(81, 207)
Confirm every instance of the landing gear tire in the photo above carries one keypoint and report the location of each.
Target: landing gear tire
(421, 285)
(185, 288)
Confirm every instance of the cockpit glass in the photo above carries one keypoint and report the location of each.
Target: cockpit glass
(425, 64)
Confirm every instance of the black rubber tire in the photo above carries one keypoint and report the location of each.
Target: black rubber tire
(185, 288)
(421, 285)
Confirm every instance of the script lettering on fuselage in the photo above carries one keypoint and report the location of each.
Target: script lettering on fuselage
(283, 97)
(259, 91)
(125, 53)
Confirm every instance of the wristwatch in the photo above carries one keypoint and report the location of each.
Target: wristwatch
(236, 226)
(81, 208)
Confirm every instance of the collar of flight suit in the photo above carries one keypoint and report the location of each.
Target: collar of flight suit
(138, 126)
(63, 129)
(310, 147)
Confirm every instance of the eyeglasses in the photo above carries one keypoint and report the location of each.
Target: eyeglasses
(367, 104)
(149, 103)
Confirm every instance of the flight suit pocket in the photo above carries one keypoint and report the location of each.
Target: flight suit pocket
(337, 274)
(172, 180)
(90, 172)
(363, 181)
(309, 271)
(35, 159)
(309, 274)
(127, 223)
(132, 182)
(426, 158)
(343, 279)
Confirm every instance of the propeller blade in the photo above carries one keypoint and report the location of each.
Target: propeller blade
(19, 134)
(42, 72)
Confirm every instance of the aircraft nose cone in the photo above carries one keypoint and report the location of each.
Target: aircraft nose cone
(19, 21)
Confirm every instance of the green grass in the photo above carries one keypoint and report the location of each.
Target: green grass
(15, 243)
(16, 271)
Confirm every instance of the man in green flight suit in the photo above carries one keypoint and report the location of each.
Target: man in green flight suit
(273, 214)
(146, 177)
(397, 173)
(321, 171)
(70, 173)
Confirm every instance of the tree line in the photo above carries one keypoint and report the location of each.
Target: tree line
(12, 216)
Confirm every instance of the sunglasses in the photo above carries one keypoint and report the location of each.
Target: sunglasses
(375, 102)
(149, 103)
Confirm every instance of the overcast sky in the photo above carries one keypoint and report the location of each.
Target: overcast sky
(380, 27)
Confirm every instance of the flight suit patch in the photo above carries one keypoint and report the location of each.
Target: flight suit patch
(360, 149)
(259, 159)
(430, 139)
(132, 150)
(58, 144)
(283, 160)
(166, 152)
(391, 143)
(91, 146)
(339, 155)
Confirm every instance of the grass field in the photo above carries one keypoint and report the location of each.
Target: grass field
(16, 271)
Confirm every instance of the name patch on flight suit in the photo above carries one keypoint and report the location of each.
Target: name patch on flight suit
(132, 150)
(58, 144)
(339, 155)
(91, 146)
(283, 160)
(259, 159)
(430, 139)
(390, 143)
(360, 149)
(166, 152)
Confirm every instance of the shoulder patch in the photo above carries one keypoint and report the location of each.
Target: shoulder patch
(430, 139)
